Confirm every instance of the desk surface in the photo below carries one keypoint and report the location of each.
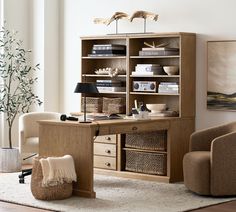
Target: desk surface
(117, 126)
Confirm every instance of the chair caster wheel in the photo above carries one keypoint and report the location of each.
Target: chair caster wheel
(21, 180)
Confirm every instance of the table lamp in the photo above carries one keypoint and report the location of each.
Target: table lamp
(85, 88)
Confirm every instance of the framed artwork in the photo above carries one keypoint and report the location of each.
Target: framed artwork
(221, 79)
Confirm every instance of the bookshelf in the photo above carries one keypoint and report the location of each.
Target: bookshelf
(183, 101)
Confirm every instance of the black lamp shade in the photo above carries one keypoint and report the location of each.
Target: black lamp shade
(86, 88)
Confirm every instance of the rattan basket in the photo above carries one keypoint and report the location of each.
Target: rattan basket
(113, 105)
(57, 192)
(93, 105)
(145, 162)
(156, 140)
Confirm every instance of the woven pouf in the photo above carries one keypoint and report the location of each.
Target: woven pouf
(57, 192)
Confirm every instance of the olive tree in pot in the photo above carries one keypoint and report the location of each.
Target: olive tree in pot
(16, 91)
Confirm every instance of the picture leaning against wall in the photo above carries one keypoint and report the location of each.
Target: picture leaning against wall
(221, 85)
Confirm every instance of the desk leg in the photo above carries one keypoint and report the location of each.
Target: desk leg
(58, 140)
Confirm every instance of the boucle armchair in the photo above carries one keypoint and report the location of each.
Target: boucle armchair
(29, 132)
(210, 166)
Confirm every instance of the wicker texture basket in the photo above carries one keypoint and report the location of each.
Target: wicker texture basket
(156, 140)
(145, 162)
(57, 192)
(93, 105)
(113, 105)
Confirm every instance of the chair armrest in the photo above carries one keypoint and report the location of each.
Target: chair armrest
(21, 140)
(201, 140)
(223, 165)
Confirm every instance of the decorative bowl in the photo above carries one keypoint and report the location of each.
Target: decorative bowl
(171, 70)
(156, 107)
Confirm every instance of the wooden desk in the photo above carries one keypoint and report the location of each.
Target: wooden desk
(57, 138)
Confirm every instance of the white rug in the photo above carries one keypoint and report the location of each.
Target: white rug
(113, 194)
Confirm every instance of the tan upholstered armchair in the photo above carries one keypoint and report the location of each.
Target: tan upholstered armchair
(210, 166)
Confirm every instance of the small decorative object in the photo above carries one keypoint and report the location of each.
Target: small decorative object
(116, 17)
(156, 107)
(153, 45)
(112, 72)
(171, 70)
(221, 89)
(16, 91)
(145, 15)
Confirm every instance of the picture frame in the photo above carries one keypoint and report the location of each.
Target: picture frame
(221, 75)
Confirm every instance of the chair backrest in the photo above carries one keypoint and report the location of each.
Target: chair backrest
(28, 122)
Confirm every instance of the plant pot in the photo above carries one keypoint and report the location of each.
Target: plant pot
(10, 160)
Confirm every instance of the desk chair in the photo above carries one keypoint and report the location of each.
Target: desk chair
(28, 135)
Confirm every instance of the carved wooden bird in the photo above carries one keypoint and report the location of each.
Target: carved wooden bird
(117, 16)
(107, 21)
(144, 14)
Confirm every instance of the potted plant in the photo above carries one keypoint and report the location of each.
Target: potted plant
(16, 91)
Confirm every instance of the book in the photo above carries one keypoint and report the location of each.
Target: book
(109, 52)
(109, 47)
(108, 84)
(134, 73)
(158, 53)
(160, 48)
(105, 55)
(111, 89)
(109, 81)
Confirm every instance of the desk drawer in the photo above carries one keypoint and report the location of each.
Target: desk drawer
(140, 127)
(111, 139)
(104, 162)
(105, 149)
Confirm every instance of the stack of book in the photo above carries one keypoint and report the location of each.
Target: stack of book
(148, 69)
(168, 87)
(106, 86)
(159, 51)
(108, 50)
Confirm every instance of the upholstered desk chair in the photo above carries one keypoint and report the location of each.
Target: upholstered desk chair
(28, 135)
(210, 166)
(29, 130)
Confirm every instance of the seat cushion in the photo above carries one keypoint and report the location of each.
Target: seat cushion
(196, 167)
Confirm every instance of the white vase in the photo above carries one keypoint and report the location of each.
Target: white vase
(10, 160)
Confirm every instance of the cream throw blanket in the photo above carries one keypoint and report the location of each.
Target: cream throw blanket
(58, 170)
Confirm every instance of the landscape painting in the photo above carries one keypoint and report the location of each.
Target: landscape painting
(221, 87)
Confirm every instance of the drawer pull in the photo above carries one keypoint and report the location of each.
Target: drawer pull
(108, 151)
(134, 128)
(108, 138)
(107, 164)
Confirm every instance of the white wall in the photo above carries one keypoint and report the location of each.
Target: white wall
(38, 25)
(210, 19)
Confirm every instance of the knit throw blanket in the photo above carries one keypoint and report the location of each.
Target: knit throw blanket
(58, 170)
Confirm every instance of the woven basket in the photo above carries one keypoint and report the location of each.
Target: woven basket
(113, 105)
(93, 105)
(156, 140)
(145, 162)
(57, 192)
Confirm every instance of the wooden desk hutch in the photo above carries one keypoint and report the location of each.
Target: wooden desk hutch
(110, 150)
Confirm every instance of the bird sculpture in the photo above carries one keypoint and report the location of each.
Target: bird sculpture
(144, 14)
(107, 21)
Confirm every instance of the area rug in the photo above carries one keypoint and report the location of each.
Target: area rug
(113, 194)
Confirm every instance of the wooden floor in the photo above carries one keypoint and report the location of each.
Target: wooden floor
(223, 207)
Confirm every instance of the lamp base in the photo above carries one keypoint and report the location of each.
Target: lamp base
(85, 122)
